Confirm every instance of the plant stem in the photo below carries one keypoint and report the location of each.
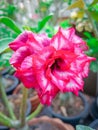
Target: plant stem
(4, 120)
(5, 100)
(23, 107)
(35, 113)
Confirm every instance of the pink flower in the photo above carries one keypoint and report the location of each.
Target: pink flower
(51, 65)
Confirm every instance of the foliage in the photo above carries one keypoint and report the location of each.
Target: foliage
(92, 42)
(10, 30)
(82, 127)
(4, 59)
(11, 24)
(6, 21)
(7, 10)
(41, 24)
(89, 12)
(82, 6)
(4, 44)
(65, 24)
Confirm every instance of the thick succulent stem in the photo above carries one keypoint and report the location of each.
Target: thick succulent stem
(5, 100)
(35, 113)
(23, 107)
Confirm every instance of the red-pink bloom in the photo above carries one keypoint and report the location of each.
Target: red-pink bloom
(51, 65)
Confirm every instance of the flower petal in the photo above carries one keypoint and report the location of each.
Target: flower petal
(27, 77)
(27, 62)
(19, 41)
(81, 64)
(48, 94)
(19, 56)
(59, 41)
(35, 41)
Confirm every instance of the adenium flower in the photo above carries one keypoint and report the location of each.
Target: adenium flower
(51, 65)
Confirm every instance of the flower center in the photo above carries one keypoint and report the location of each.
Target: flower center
(56, 64)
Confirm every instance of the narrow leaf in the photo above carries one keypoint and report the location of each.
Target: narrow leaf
(11, 24)
(4, 44)
(43, 22)
(77, 4)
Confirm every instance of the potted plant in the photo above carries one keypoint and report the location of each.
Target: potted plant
(70, 108)
(94, 124)
(49, 65)
(10, 82)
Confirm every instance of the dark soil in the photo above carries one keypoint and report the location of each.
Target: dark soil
(69, 107)
(44, 126)
(31, 92)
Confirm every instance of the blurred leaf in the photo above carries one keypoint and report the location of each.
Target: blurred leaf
(94, 2)
(92, 42)
(82, 127)
(4, 44)
(50, 30)
(80, 14)
(11, 24)
(94, 14)
(65, 24)
(43, 22)
(77, 4)
(94, 66)
(87, 34)
(4, 59)
(35, 30)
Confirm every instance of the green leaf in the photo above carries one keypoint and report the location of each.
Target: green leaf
(94, 14)
(94, 66)
(77, 4)
(4, 44)
(82, 127)
(43, 22)
(65, 24)
(87, 34)
(4, 59)
(94, 2)
(11, 24)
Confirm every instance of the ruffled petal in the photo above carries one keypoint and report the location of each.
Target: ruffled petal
(27, 62)
(35, 41)
(63, 80)
(74, 86)
(19, 41)
(19, 56)
(27, 77)
(43, 39)
(41, 59)
(81, 65)
(59, 41)
(68, 33)
(48, 94)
